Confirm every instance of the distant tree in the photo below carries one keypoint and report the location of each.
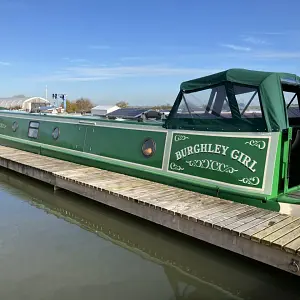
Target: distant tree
(122, 104)
(83, 105)
(16, 107)
(163, 106)
(19, 96)
(71, 106)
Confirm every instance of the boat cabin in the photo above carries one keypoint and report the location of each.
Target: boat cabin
(247, 103)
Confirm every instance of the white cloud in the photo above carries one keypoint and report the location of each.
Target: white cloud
(105, 73)
(254, 41)
(4, 63)
(236, 47)
(273, 33)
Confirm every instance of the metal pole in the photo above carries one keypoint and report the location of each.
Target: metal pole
(65, 103)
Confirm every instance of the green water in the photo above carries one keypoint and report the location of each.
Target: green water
(61, 246)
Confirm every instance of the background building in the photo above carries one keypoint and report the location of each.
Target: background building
(103, 110)
(24, 103)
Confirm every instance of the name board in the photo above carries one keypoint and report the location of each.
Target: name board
(235, 160)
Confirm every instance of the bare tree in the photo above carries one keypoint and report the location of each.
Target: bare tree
(83, 105)
(122, 104)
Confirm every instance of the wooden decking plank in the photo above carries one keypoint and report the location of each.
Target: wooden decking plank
(13, 152)
(204, 207)
(115, 186)
(136, 192)
(267, 240)
(201, 207)
(179, 205)
(247, 220)
(36, 158)
(229, 215)
(183, 206)
(293, 247)
(98, 180)
(183, 196)
(103, 184)
(111, 186)
(257, 237)
(7, 149)
(210, 219)
(18, 157)
(211, 202)
(237, 217)
(103, 175)
(106, 176)
(87, 174)
(70, 173)
(172, 195)
(286, 239)
(140, 195)
(209, 211)
(149, 192)
(255, 222)
(42, 165)
(193, 204)
(57, 168)
(233, 206)
(262, 226)
(140, 192)
(130, 185)
(176, 207)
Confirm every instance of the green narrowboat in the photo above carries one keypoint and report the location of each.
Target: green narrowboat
(234, 135)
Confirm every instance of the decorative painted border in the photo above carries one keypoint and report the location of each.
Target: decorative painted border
(256, 143)
(269, 166)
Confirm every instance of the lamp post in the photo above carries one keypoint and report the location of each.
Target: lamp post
(63, 97)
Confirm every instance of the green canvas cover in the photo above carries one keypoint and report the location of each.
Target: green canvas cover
(268, 83)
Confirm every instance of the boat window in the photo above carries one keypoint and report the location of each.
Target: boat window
(291, 101)
(248, 101)
(205, 104)
(33, 129)
(15, 126)
(148, 147)
(55, 133)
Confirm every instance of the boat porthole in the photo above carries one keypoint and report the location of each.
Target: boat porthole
(148, 147)
(15, 126)
(55, 133)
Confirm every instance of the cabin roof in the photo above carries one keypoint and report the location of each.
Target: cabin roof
(241, 76)
(269, 85)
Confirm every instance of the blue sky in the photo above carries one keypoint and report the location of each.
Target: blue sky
(139, 51)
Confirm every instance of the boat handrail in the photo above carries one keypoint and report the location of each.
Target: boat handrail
(87, 122)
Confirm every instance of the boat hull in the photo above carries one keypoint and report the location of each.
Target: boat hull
(234, 166)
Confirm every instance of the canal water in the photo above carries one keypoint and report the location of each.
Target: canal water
(61, 246)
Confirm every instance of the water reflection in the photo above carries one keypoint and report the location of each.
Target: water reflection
(172, 266)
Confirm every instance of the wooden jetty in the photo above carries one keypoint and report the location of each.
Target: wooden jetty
(269, 237)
